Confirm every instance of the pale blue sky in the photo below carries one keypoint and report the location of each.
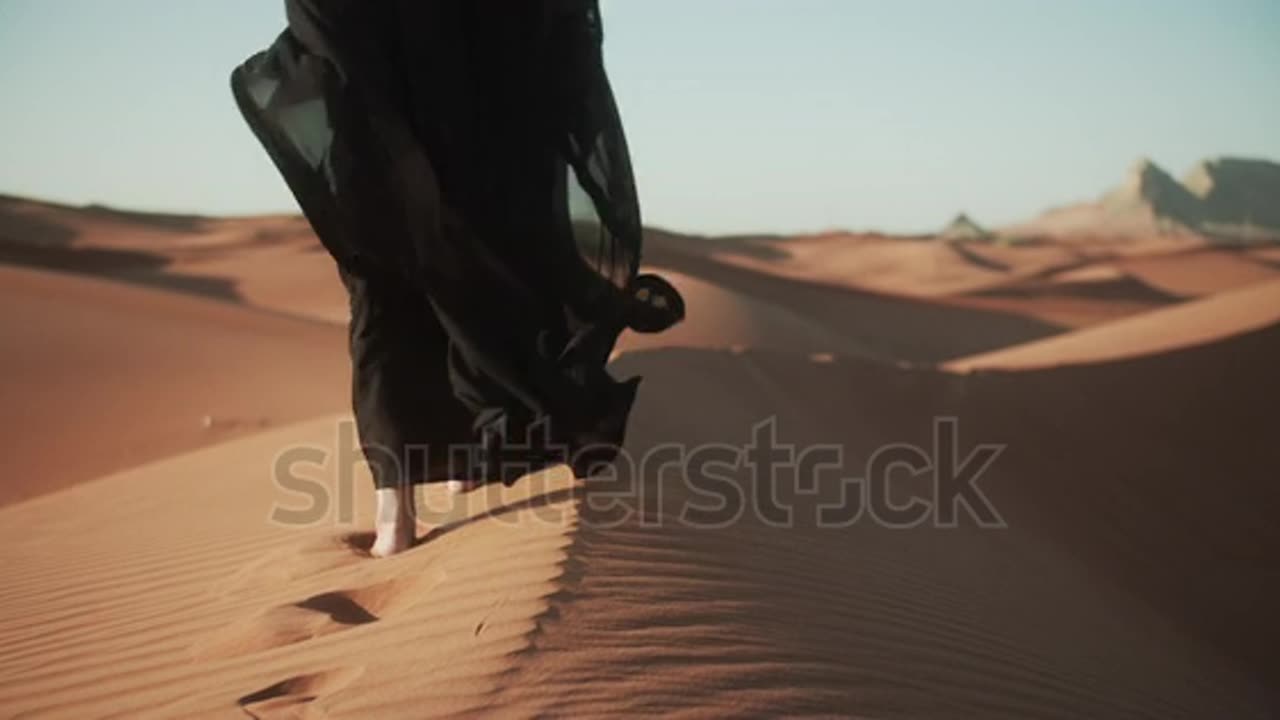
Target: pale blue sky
(744, 115)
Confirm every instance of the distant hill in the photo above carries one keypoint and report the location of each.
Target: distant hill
(1237, 192)
(1151, 190)
(963, 228)
(1226, 199)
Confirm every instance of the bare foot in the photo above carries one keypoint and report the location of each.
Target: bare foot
(396, 525)
(460, 487)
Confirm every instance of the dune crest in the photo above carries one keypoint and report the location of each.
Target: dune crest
(1192, 323)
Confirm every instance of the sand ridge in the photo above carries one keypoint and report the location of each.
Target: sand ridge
(101, 376)
(1192, 323)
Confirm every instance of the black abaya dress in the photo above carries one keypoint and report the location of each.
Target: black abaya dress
(464, 164)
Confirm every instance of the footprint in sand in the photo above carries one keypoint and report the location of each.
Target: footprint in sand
(317, 616)
(298, 696)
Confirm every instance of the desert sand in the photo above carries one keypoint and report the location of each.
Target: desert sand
(1194, 323)
(161, 568)
(100, 376)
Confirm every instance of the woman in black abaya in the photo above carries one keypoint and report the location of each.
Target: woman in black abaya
(463, 162)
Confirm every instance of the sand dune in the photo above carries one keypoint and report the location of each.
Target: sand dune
(893, 328)
(273, 262)
(1197, 274)
(913, 300)
(1267, 255)
(723, 319)
(205, 607)
(164, 361)
(1060, 283)
(295, 280)
(911, 267)
(1100, 599)
(925, 267)
(1076, 297)
(99, 376)
(1188, 324)
(276, 263)
(220, 570)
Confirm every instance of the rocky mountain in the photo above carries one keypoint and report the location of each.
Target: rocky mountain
(1232, 199)
(1149, 190)
(1237, 192)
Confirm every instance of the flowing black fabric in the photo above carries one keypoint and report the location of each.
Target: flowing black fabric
(464, 163)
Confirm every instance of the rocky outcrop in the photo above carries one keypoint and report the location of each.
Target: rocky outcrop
(964, 228)
(1151, 190)
(1237, 192)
